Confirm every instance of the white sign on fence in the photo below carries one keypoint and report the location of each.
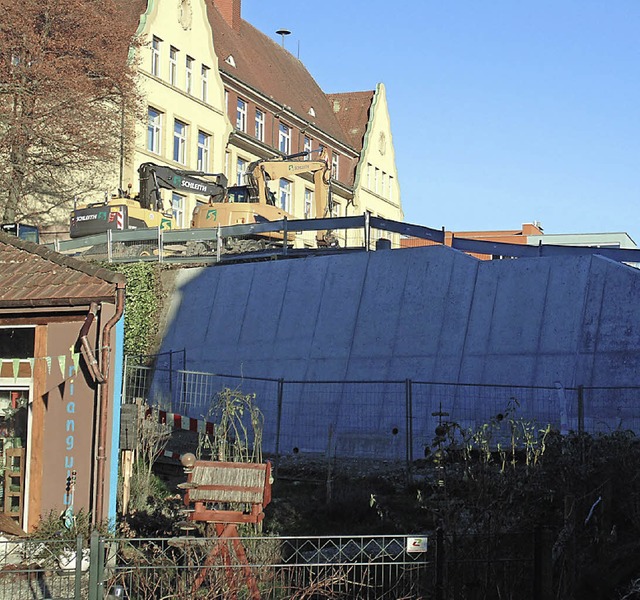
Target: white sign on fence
(417, 544)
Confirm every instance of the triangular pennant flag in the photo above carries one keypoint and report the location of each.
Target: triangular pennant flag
(76, 362)
(16, 367)
(62, 361)
(48, 359)
(31, 361)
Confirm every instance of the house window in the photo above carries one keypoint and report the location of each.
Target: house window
(335, 210)
(173, 65)
(284, 139)
(259, 125)
(227, 162)
(203, 151)
(241, 115)
(308, 203)
(188, 75)
(180, 142)
(322, 153)
(285, 195)
(390, 187)
(205, 83)
(376, 178)
(177, 208)
(155, 56)
(241, 169)
(369, 167)
(383, 184)
(154, 131)
(307, 147)
(335, 162)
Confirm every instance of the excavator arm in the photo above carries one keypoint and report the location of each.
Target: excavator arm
(154, 177)
(261, 172)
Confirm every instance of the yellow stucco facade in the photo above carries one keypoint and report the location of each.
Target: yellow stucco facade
(376, 186)
(187, 126)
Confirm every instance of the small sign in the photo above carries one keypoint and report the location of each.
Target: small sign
(417, 544)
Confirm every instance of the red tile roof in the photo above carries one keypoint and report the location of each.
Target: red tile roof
(34, 276)
(352, 111)
(267, 67)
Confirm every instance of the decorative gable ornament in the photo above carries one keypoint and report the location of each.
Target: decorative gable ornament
(185, 13)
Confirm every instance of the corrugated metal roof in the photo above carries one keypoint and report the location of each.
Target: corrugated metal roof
(32, 275)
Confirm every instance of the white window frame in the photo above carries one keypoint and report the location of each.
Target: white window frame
(307, 147)
(178, 202)
(259, 125)
(369, 168)
(335, 165)
(180, 141)
(308, 204)
(204, 92)
(390, 186)
(154, 130)
(284, 138)
(155, 55)
(376, 177)
(204, 149)
(383, 185)
(285, 188)
(241, 169)
(241, 115)
(173, 65)
(188, 74)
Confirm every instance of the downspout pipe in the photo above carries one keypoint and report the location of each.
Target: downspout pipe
(104, 404)
(85, 347)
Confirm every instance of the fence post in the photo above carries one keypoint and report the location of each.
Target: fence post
(542, 564)
(109, 246)
(580, 409)
(278, 423)
(95, 585)
(285, 232)
(367, 232)
(440, 558)
(409, 423)
(77, 593)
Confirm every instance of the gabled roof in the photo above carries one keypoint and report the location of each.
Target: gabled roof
(352, 111)
(268, 68)
(34, 276)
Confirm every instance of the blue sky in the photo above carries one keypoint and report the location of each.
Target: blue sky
(502, 111)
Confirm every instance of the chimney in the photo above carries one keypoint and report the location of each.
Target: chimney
(230, 10)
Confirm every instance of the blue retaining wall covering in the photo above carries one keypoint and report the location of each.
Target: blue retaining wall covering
(430, 314)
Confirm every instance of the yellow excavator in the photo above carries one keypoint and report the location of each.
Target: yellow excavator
(146, 208)
(256, 203)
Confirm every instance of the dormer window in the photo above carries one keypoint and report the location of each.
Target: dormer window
(312, 112)
(230, 60)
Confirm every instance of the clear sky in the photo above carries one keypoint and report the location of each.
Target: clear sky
(503, 112)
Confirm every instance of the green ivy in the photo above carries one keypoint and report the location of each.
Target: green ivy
(142, 306)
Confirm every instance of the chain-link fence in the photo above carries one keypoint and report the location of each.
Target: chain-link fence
(386, 419)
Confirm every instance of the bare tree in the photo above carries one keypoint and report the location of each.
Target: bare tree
(68, 96)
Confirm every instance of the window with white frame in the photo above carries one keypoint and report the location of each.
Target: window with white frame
(173, 65)
(335, 163)
(155, 56)
(284, 138)
(204, 143)
(376, 179)
(227, 162)
(259, 125)
(177, 208)
(285, 195)
(241, 169)
(204, 80)
(369, 168)
(335, 209)
(307, 147)
(391, 187)
(188, 75)
(154, 130)
(308, 203)
(383, 185)
(180, 142)
(241, 115)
